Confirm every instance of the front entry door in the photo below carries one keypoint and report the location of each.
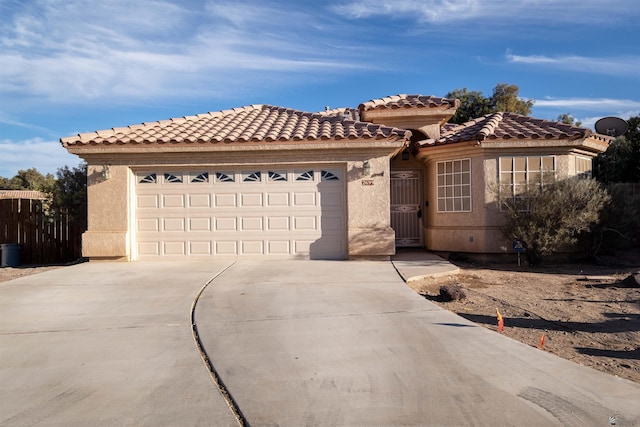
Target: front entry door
(406, 207)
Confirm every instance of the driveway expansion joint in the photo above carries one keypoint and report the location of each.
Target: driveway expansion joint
(224, 392)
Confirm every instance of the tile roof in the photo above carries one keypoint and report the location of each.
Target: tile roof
(22, 194)
(408, 101)
(254, 123)
(345, 113)
(505, 126)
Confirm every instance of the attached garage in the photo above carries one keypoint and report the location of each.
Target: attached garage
(277, 212)
(256, 181)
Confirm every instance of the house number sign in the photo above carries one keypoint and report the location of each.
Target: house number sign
(367, 182)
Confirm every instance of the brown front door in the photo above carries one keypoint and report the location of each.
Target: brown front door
(406, 207)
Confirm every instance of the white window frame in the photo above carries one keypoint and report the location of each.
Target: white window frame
(525, 176)
(584, 173)
(453, 186)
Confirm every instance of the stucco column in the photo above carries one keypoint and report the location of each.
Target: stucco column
(108, 213)
(369, 228)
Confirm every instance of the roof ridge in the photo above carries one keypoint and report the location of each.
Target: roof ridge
(489, 128)
(408, 101)
(256, 122)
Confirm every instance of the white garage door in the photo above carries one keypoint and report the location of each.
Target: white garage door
(287, 213)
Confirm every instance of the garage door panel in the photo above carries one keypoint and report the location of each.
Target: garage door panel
(173, 224)
(278, 199)
(304, 199)
(200, 248)
(226, 224)
(199, 200)
(148, 224)
(270, 212)
(252, 247)
(278, 223)
(305, 223)
(252, 224)
(174, 248)
(251, 200)
(331, 198)
(225, 200)
(279, 247)
(147, 201)
(226, 247)
(149, 248)
(332, 224)
(199, 224)
(173, 201)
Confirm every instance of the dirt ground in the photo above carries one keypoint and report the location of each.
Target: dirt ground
(585, 312)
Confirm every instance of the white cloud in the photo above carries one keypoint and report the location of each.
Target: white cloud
(45, 156)
(426, 10)
(587, 110)
(488, 12)
(592, 104)
(80, 50)
(620, 65)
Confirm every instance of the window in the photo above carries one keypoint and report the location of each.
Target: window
(200, 177)
(225, 177)
(519, 173)
(172, 179)
(277, 176)
(328, 176)
(304, 175)
(454, 185)
(148, 179)
(251, 176)
(584, 167)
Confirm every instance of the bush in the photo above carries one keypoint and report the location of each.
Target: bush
(619, 227)
(550, 217)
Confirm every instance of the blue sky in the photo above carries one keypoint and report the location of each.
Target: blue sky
(72, 66)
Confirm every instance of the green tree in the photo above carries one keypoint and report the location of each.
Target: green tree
(621, 161)
(568, 119)
(29, 179)
(5, 183)
(619, 227)
(69, 194)
(554, 215)
(474, 104)
(505, 98)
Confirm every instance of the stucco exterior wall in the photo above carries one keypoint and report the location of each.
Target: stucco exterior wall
(107, 235)
(367, 211)
(479, 231)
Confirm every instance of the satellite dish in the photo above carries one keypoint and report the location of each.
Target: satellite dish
(612, 126)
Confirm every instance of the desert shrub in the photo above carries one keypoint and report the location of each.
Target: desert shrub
(619, 226)
(550, 217)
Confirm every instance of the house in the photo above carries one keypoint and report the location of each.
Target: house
(266, 181)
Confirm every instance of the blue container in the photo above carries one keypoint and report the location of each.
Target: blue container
(10, 255)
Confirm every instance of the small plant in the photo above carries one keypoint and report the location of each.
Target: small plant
(550, 216)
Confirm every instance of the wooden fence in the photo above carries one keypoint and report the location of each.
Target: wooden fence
(44, 239)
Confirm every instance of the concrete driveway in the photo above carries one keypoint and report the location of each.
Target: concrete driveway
(294, 342)
(326, 343)
(106, 344)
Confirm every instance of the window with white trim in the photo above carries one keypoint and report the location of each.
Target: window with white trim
(454, 185)
(519, 173)
(584, 167)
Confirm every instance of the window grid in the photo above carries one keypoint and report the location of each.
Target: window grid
(454, 185)
(584, 167)
(518, 173)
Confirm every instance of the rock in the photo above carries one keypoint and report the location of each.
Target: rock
(451, 293)
(633, 281)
